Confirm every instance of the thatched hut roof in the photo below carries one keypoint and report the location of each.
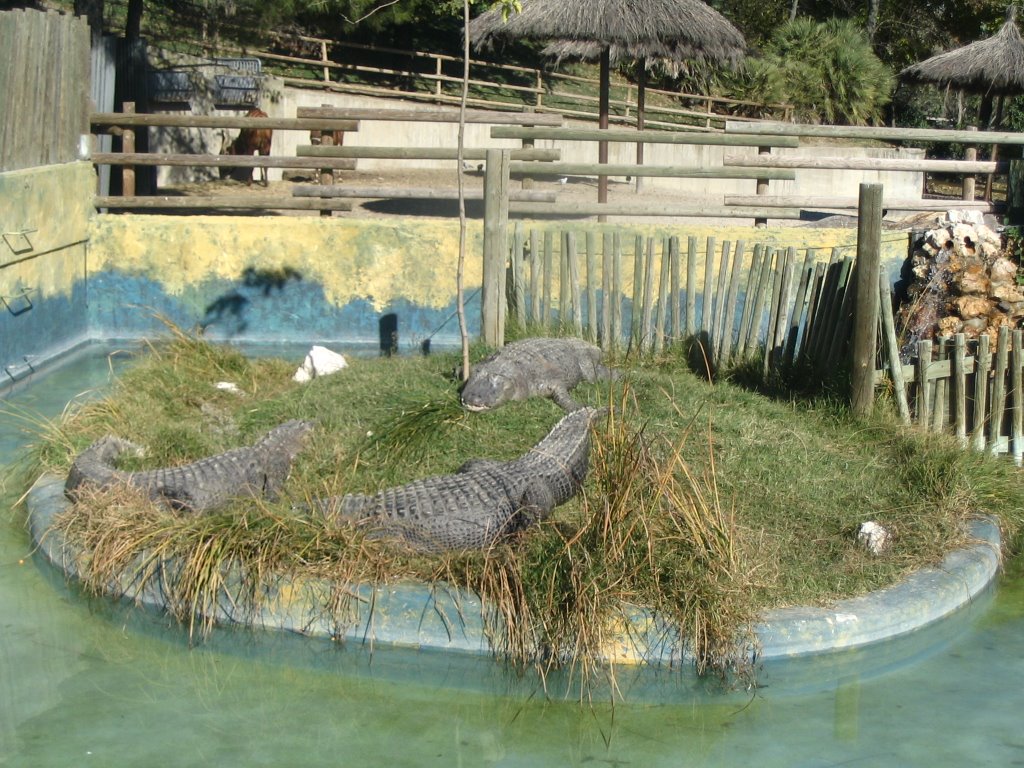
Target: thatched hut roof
(677, 29)
(991, 66)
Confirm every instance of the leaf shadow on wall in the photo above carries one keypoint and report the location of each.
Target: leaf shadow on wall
(230, 310)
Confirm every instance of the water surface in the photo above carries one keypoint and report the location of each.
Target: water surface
(85, 682)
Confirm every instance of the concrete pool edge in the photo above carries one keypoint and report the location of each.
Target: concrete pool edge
(446, 619)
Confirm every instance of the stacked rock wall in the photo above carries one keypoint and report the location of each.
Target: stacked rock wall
(964, 280)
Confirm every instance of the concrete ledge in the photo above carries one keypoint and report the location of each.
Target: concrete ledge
(443, 618)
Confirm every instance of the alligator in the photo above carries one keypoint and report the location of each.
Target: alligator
(256, 470)
(527, 368)
(483, 502)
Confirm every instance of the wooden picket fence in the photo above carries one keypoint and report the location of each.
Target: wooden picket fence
(643, 294)
(968, 388)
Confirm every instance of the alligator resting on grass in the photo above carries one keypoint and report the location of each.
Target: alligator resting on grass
(256, 470)
(483, 501)
(539, 367)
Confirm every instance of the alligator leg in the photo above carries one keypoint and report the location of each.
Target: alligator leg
(564, 400)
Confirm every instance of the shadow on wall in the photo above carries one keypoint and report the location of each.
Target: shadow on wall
(231, 308)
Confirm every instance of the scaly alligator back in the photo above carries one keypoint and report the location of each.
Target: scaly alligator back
(538, 367)
(484, 500)
(257, 470)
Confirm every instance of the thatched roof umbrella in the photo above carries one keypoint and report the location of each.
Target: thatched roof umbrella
(637, 28)
(991, 67)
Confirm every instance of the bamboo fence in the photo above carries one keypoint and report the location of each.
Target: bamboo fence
(636, 293)
(971, 388)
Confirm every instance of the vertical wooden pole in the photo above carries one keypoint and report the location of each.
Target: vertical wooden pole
(535, 276)
(664, 298)
(970, 154)
(959, 385)
(517, 287)
(865, 334)
(691, 286)
(325, 60)
(549, 266)
(1016, 379)
(326, 140)
(568, 255)
(635, 328)
(591, 292)
(677, 317)
(924, 383)
(606, 292)
(729, 316)
(998, 407)
(982, 368)
(128, 147)
(762, 188)
(708, 298)
(723, 276)
(641, 93)
(495, 247)
(616, 290)
(893, 349)
(647, 329)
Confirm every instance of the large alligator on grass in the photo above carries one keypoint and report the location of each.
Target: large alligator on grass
(481, 503)
(539, 367)
(258, 470)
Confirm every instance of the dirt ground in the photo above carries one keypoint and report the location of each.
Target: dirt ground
(569, 190)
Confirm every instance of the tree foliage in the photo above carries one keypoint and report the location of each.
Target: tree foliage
(827, 71)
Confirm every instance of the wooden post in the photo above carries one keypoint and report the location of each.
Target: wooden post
(970, 154)
(128, 148)
(762, 188)
(325, 60)
(602, 146)
(495, 247)
(893, 350)
(641, 94)
(869, 247)
(326, 140)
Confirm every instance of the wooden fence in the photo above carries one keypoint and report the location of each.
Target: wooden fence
(971, 388)
(628, 291)
(312, 62)
(44, 88)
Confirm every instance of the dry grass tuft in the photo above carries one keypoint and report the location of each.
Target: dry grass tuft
(648, 533)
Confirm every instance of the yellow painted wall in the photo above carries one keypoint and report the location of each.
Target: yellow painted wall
(378, 259)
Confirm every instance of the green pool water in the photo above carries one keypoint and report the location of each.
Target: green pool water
(84, 682)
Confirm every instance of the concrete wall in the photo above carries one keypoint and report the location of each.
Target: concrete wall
(45, 219)
(282, 101)
(73, 275)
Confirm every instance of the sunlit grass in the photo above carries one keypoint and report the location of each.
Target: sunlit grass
(706, 503)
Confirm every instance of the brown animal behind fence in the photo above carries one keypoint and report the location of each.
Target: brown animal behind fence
(249, 141)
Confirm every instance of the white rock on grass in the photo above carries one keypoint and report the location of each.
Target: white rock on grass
(319, 361)
(874, 537)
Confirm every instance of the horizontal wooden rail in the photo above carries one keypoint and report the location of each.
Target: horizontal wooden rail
(222, 121)
(813, 201)
(222, 161)
(646, 209)
(421, 153)
(597, 169)
(881, 134)
(431, 115)
(867, 164)
(430, 193)
(645, 137)
(249, 202)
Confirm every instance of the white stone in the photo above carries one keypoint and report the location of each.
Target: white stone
(874, 537)
(965, 217)
(228, 386)
(319, 361)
